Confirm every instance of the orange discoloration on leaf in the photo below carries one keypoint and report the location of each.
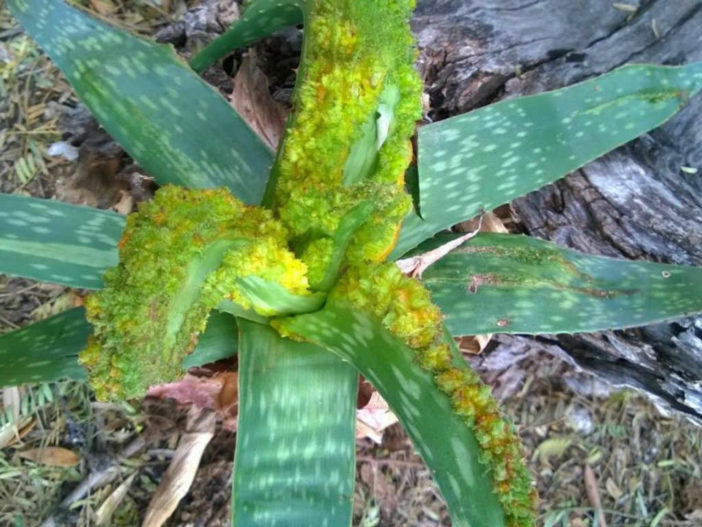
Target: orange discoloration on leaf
(406, 310)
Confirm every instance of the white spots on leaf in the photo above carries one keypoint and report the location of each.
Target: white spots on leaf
(493, 129)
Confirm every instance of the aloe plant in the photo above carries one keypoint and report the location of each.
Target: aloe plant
(287, 259)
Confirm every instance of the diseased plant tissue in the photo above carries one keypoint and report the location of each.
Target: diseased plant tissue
(311, 260)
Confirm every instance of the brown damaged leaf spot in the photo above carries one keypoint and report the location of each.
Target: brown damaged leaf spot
(601, 293)
(529, 256)
(478, 280)
(492, 279)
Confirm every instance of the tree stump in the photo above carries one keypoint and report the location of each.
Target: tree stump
(636, 202)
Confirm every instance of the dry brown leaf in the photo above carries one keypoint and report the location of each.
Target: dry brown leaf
(218, 393)
(199, 391)
(94, 182)
(488, 222)
(613, 489)
(27, 424)
(103, 7)
(474, 345)
(124, 203)
(373, 418)
(229, 394)
(104, 514)
(179, 477)
(255, 104)
(593, 494)
(12, 433)
(52, 456)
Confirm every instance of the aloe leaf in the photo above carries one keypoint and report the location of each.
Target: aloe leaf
(490, 156)
(175, 125)
(269, 296)
(517, 284)
(45, 351)
(48, 350)
(219, 341)
(364, 154)
(442, 438)
(294, 462)
(259, 19)
(275, 298)
(57, 242)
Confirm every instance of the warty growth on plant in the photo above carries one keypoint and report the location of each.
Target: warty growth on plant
(298, 256)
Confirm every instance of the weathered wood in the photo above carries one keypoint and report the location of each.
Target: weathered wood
(635, 202)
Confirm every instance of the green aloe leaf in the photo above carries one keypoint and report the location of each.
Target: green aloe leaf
(517, 284)
(45, 351)
(259, 19)
(169, 120)
(490, 156)
(57, 242)
(444, 441)
(276, 298)
(295, 447)
(48, 350)
(219, 341)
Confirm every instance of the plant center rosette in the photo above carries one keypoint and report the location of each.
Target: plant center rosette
(331, 215)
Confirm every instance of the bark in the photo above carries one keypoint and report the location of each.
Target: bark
(635, 203)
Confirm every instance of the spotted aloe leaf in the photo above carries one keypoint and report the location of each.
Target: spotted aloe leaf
(45, 351)
(259, 19)
(493, 155)
(516, 284)
(442, 437)
(48, 350)
(295, 447)
(169, 120)
(57, 242)
(219, 341)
